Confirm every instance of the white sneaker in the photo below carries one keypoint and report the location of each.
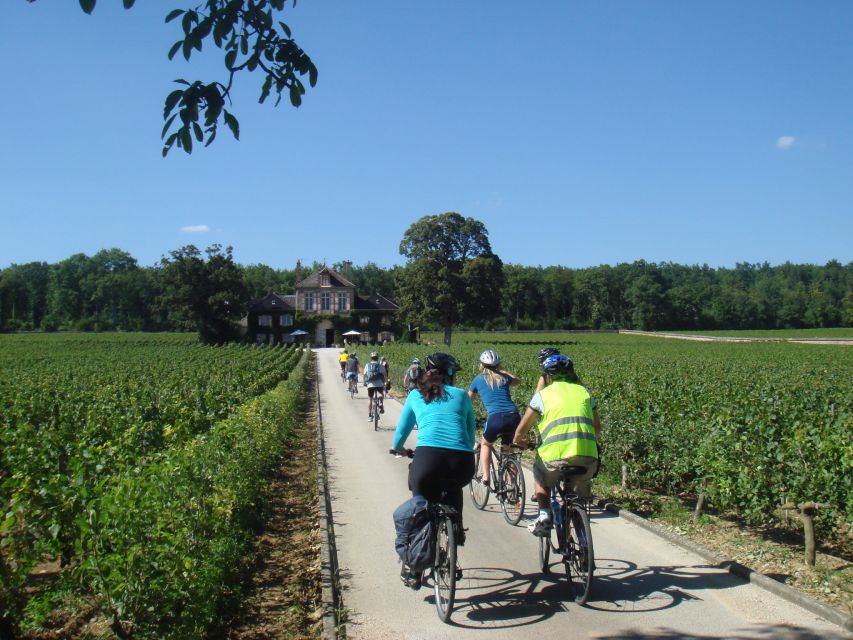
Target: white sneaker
(541, 526)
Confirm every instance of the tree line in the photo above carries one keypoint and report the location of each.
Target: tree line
(194, 290)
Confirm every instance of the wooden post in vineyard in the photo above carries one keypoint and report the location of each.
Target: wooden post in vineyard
(807, 513)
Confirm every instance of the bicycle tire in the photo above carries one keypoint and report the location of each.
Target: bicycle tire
(444, 568)
(545, 553)
(375, 413)
(479, 491)
(580, 560)
(512, 488)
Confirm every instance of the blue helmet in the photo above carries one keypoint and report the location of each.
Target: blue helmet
(557, 365)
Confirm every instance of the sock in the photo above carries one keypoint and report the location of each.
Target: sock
(544, 514)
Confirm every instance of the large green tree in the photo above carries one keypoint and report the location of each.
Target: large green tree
(208, 294)
(253, 38)
(451, 274)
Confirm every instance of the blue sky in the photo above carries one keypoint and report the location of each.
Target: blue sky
(580, 133)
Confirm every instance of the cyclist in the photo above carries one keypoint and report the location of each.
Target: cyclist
(568, 433)
(352, 369)
(342, 360)
(492, 385)
(374, 380)
(444, 458)
(544, 353)
(384, 362)
(413, 374)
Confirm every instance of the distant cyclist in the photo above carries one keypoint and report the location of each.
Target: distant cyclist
(342, 360)
(568, 433)
(547, 352)
(352, 369)
(384, 362)
(492, 385)
(374, 379)
(413, 374)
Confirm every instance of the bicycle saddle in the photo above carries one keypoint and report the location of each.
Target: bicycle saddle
(572, 470)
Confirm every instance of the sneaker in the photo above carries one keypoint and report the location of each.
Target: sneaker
(540, 527)
(370, 416)
(410, 578)
(381, 408)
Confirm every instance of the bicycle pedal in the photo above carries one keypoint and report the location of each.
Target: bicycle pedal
(458, 574)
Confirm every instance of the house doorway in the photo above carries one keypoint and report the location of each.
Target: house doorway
(325, 333)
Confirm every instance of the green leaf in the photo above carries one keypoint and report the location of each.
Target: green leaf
(171, 100)
(175, 48)
(295, 95)
(232, 123)
(87, 5)
(174, 14)
(312, 75)
(285, 29)
(212, 136)
(230, 58)
(198, 133)
(167, 125)
(187, 47)
(265, 90)
(128, 3)
(186, 140)
(182, 81)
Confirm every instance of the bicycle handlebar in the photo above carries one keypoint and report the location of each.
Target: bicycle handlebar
(409, 453)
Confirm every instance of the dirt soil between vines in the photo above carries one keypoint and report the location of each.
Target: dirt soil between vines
(284, 598)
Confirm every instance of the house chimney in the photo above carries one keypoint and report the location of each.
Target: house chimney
(298, 274)
(348, 270)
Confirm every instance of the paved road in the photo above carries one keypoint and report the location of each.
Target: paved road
(644, 587)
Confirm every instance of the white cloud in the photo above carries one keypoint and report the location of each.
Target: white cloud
(785, 142)
(196, 228)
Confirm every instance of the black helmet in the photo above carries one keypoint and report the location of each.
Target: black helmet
(442, 363)
(546, 352)
(557, 365)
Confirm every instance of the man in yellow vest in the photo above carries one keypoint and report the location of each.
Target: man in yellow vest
(568, 433)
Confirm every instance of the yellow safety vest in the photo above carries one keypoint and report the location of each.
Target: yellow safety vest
(567, 426)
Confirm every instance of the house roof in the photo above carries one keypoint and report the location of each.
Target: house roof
(335, 279)
(273, 302)
(375, 302)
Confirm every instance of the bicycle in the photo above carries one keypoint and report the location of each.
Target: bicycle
(571, 535)
(352, 386)
(444, 572)
(376, 402)
(507, 482)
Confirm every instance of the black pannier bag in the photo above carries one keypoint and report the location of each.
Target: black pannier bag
(415, 543)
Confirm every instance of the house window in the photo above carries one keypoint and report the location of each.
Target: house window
(308, 304)
(324, 280)
(261, 338)
(364, 319)
(326, 301)
(343, 302)
(265, 321)
(286, 320)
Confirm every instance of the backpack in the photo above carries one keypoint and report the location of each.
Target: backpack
(375, 374)
(415, 543)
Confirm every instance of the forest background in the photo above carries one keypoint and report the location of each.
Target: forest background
(111, 291)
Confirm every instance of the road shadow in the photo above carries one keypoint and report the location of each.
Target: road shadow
(620, 586)
(499, 598)
(758, 632)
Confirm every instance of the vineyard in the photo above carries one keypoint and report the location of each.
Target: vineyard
(751, 426)
(136, 463)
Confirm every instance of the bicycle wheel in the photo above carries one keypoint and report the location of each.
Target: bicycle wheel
(512, 485)
(580, 553)
(444, 568)
(479, 491)
(545, 553)
(351, 389)
(375, 413)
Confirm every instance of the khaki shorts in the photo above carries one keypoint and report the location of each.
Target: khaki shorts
(548, 473)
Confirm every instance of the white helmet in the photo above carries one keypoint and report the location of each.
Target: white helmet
(490, 358)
